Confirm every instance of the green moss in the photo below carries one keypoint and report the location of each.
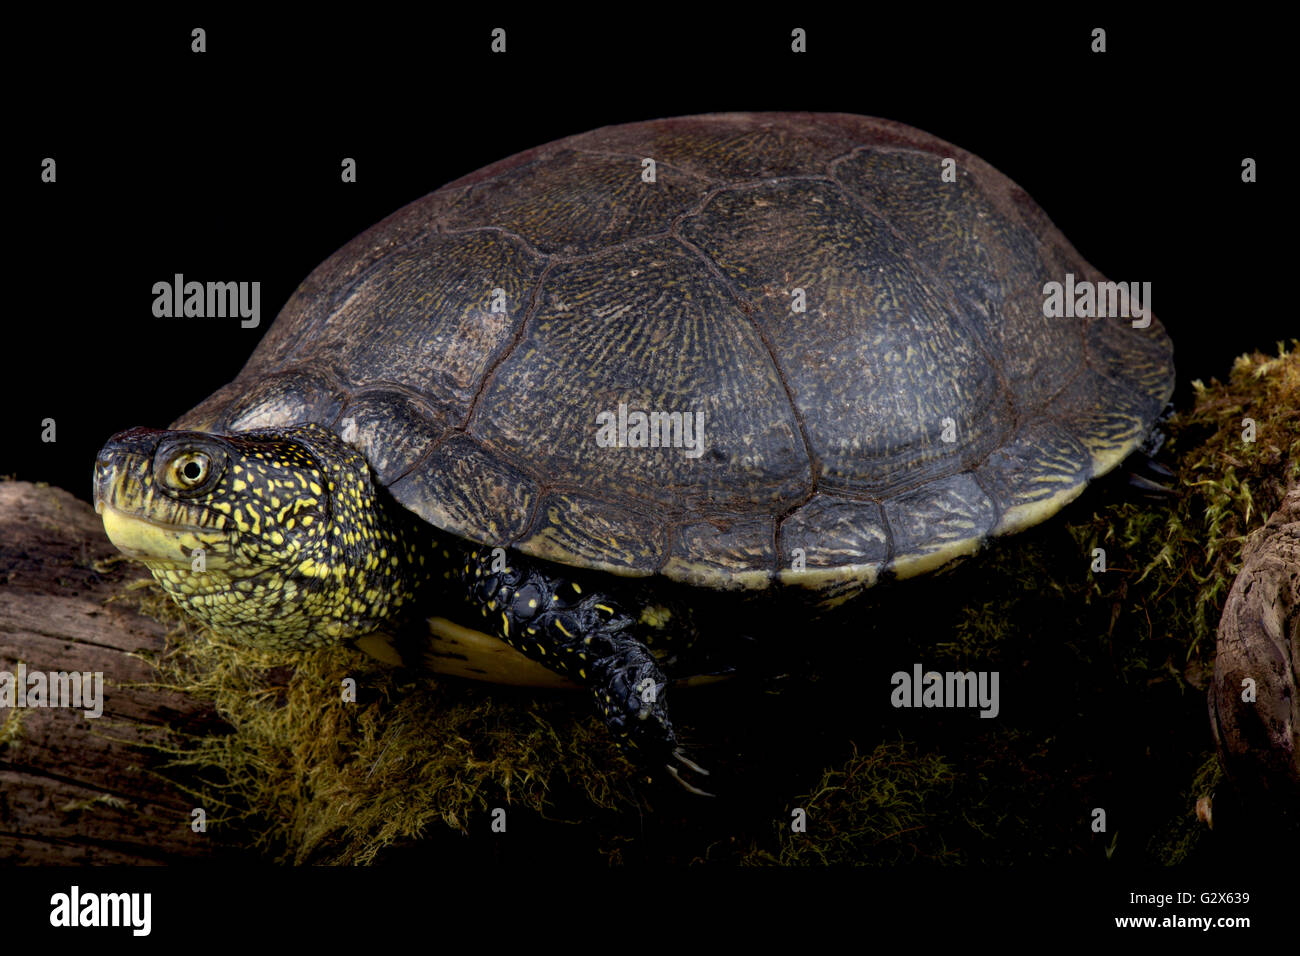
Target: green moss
(93, 803)
(11, 731)
(305, 775)
(1188, 557)
(1179, 838)
(884, 807)
(907, 802)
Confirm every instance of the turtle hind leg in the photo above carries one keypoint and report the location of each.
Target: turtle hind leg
(629, 691)
(585, 636)
(1146, 476)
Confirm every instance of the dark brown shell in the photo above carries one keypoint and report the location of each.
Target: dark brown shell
(823, 428)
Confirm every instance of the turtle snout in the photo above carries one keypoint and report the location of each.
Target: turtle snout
(124, 451)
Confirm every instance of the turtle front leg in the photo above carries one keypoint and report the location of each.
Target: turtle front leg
(587, 637)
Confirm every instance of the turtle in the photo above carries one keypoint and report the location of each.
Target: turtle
(545, 414)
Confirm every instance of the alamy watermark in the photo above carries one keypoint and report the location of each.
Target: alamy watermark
(636, 429)
(75, 908)
(208, 300)
(923, 688)
(1098, 300)
(78, 690)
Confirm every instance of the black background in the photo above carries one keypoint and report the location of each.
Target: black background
(226, 166)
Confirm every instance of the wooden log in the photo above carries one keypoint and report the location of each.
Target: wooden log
(1259, 643)
(73, 788)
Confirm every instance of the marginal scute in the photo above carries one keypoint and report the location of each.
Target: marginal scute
(939, 521)
(209, 414)
(1141, 358)
(831, 531)
(707, 553)
(463, 486)
(1035, 474)
(1106, 415)
(572, 528)
(392, 430)
(284, 398)
(832, 587)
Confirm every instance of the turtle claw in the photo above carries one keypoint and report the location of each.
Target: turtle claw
(689, 764)
(1149, 476)
(685, 761)
(687, 785)
(1153, 489)
(1160, 471)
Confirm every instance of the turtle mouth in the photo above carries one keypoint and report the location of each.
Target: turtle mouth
(103, 488)
(153, 541)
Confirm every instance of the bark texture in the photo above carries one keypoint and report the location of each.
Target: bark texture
(75, 789)
(1259, 641)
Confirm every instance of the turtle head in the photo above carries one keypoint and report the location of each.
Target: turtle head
(277, 537)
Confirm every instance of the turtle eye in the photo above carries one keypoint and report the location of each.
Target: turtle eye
(188, 471)
(192, 469)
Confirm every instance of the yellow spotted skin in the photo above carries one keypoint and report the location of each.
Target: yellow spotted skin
(542, 611)
(297, 549)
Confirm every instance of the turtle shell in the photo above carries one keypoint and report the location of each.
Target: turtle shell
(866, 340)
